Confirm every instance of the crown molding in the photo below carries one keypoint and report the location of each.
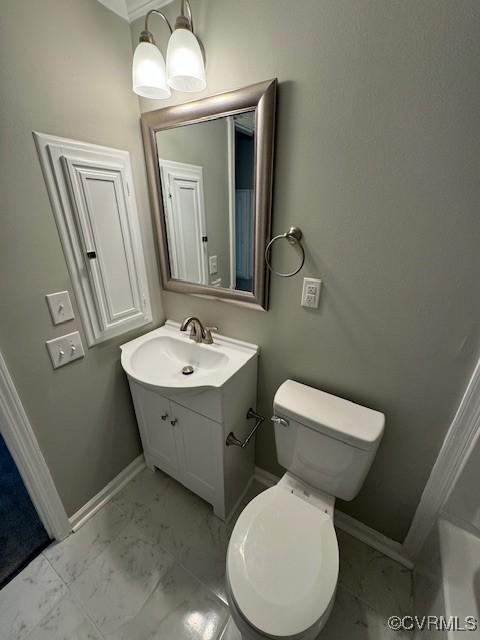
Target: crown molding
(130, 10)
(117, 6)
(138, 8)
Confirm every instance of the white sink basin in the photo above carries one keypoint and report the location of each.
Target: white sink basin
(157, 359)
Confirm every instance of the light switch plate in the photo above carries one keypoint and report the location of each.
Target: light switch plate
(60, 307)
(212, 265)
(311, 292)
(65, 349)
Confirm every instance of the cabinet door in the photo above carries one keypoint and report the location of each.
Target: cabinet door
(158, 434)
(91, 190)
(200, 452)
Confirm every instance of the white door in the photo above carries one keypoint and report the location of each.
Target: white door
(200, 451)
(185, 220)
(100, 196)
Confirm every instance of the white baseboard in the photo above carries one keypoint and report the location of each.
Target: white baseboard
(107, 493)
(372, 537)
(354, 527)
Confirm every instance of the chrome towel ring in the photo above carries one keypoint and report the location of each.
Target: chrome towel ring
(293, 235)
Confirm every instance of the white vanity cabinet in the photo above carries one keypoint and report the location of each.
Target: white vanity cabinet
(184, 430)
(184, 420)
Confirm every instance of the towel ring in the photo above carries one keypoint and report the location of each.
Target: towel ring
(293, 235)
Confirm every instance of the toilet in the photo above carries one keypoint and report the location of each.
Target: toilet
(282, 559)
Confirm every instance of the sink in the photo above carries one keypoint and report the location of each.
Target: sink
(167, 359)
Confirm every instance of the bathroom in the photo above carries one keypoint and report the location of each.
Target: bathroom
(354, 122)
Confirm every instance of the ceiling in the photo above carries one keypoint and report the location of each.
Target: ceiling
(132, 9)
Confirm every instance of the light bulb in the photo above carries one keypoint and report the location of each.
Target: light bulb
(185, 66)
(148, 72)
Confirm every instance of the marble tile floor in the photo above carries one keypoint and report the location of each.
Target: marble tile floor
(151, 565)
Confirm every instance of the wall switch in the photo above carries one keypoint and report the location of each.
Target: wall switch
(212, 265)
(60, 307)
(65, 349)
(311, 292)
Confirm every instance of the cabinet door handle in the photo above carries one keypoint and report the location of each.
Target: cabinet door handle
(165, 416)
(173, 422)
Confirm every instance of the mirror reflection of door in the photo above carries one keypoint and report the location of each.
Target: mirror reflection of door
(244, 154)
(185, 220)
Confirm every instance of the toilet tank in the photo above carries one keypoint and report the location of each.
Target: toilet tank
(327, 441)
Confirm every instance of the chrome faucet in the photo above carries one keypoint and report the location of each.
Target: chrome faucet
(198, 333)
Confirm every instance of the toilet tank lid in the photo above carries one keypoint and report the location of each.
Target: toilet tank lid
(335, 417)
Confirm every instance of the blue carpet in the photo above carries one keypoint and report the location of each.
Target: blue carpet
(22, 535)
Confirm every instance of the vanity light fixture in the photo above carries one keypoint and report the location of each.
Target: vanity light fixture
(185, 68)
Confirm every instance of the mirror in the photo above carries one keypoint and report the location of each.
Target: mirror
(209, 165)
(207, 180)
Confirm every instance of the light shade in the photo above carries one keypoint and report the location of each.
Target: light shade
(185, 67)
(148, 72)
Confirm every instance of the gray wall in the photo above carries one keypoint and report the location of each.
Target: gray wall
(66, 71)
(205, 145)
(377, 162)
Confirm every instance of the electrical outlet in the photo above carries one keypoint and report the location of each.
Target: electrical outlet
(311, 293)
(212, 265)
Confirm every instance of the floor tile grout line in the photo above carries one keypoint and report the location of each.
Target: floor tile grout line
(79, 602)
(187, 570)
(205, 586)
(75, 600)
(104, 547)
(178, 561)
(351, 592)
(41, 555)
(223, 629)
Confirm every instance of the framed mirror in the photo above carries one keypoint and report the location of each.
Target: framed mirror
(210, 166)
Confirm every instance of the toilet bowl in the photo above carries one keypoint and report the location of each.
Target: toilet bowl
(282, 558)
(282, 564)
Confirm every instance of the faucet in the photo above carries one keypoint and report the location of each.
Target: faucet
(198, 333)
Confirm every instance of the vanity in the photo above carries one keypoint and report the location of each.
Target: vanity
(191, 401)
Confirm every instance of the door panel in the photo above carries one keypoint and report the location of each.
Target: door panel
(188, 236)
(100, 196)
(158, 434)
(185, 219)
(199, 444)
(114, 258)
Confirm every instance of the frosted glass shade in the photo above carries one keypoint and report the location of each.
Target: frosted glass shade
(185, 67)
(148, 72)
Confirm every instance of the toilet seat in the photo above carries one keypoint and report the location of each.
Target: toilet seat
(282, 563)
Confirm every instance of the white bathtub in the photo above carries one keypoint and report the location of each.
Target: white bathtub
(447, 579)
(460, 570)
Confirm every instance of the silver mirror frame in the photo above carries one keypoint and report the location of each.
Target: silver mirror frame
(262, 98)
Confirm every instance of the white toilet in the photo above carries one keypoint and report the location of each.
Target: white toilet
(282, 559)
